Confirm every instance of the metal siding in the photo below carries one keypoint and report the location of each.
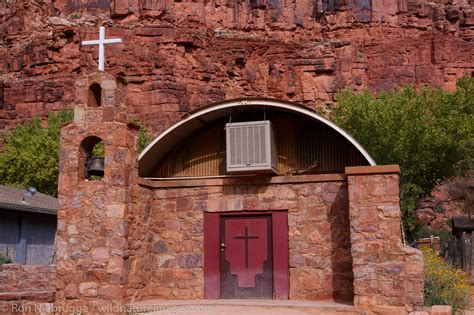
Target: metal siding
(40, 239)
(198, 155)
(21, 246)
(9, 232)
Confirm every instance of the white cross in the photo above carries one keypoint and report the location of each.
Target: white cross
(101, 42)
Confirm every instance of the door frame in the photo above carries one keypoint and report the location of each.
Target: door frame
(212, 281)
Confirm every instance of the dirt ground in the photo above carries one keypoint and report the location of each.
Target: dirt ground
(470, 307)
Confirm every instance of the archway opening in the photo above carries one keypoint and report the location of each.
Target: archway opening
(91, 158)
(95, 95)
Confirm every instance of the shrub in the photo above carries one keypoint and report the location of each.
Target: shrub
(444, 285)
(144, 136)
(5, 259)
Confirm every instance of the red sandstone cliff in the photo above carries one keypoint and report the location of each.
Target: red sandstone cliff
(179, 55)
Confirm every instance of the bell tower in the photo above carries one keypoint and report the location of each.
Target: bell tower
(98, 155)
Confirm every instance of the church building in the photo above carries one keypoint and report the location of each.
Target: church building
(243, 199)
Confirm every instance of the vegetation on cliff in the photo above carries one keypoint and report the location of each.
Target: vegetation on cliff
(429, 133)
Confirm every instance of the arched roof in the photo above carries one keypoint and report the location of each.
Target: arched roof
(157, 149)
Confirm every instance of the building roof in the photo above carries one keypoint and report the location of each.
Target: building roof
(157, 149)
(20, 200)
(463, 222)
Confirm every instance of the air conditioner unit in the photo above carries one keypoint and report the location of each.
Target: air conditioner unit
(251, 147)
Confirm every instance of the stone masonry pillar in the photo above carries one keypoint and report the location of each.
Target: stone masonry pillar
(91, 241)
(387, 274)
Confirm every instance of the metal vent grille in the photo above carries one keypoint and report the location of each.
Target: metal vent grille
(251, 147)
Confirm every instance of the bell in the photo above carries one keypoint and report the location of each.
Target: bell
(95, 166)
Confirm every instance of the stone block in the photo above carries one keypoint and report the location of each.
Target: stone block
(441, 310)
(190, 261)
(72, 229)
(114, 292)
(118, 243)
(88, 289)
(166, 261)
(115, 265)
(109, 113)
(79, 115)
(108, 84)
(184, 204)
(100, 253)
(116, 210)
(389, 211)
(160, 247)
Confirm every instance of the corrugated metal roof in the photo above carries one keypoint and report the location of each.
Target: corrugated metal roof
(463, 222)
(20, 200)
(176, 133)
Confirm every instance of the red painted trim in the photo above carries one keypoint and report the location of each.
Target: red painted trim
(212, 274)
(376, 169)
(281, 281)
(231, 213)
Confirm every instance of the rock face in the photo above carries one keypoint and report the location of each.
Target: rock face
(180, 55)
(446, 200)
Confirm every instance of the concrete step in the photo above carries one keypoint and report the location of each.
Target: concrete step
(241, 307)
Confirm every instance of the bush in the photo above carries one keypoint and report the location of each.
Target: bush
(429, 133)
(444, 285)
(4, 259)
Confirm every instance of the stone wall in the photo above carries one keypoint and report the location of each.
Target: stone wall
(386, 273)
(23, 286)
(21, 278)
(91, 239)
(166, 236)
(181, 55)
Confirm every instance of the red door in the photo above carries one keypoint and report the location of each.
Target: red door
(246, 257)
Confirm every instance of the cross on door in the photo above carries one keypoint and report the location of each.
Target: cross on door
(246, 237)
(101, 42)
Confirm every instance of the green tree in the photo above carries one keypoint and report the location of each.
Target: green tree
(429, 133)
(31, 154)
